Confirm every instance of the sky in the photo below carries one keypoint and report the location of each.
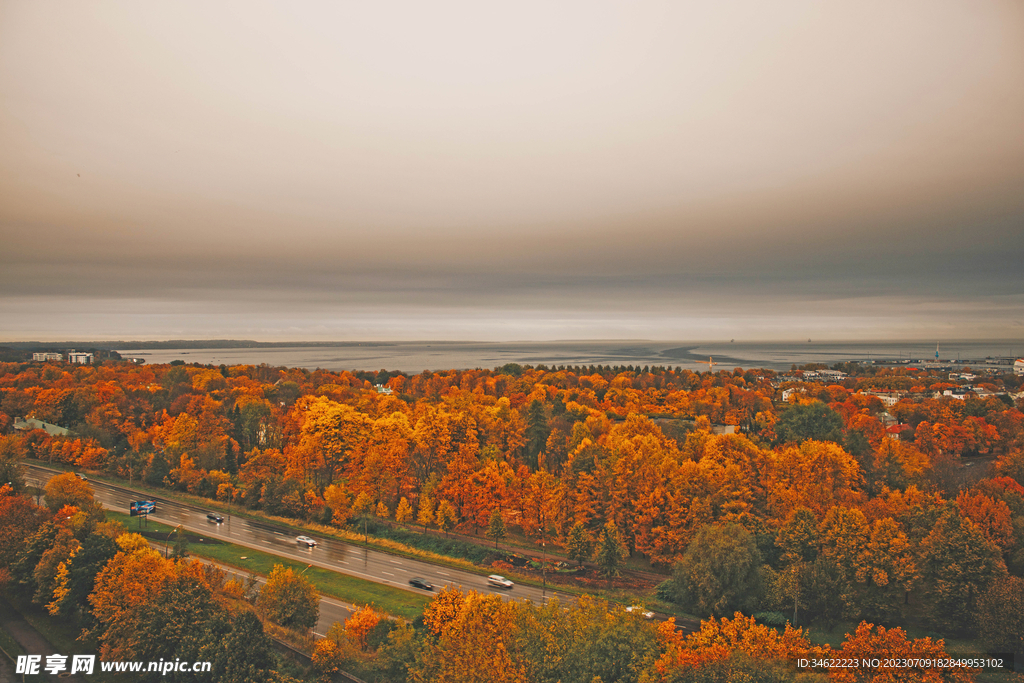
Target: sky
(512, 171)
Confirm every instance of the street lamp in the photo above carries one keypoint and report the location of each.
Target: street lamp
(543, 573)
(167, 542)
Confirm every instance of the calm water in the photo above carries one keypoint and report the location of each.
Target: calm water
(415, 357)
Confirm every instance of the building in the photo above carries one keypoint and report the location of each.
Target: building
(889, 398)
(788, 393)
(47, 356)
(833, 375)
(80, 357)
(896, 431)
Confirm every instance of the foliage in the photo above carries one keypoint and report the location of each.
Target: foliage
(477, 637)
(610, 552)
(289, 599)
(1001, 615)
(67, 489)
(720, 571)
(807, 421)
(579, 546)
(496, 527)
(446, 517)
(404, 512)
(869, 642)
(959, 564)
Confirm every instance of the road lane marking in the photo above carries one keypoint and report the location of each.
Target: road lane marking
(388, 573)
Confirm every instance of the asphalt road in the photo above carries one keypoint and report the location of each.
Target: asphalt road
(333, 554)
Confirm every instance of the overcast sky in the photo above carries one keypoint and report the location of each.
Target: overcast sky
(504, 171)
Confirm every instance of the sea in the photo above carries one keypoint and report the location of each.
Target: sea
(415, 357)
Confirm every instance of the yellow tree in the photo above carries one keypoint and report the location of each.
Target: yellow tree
(289, 599)
(844, 534)
(885, 570)
(474, 633)
(403, 513)
(68, 489)
(133, 577)
(815, 475)
(329, 432)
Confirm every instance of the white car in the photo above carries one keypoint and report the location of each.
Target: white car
(306, 541)
(646, 614)
(499, 581)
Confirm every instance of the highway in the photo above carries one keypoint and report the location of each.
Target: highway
(331, 553)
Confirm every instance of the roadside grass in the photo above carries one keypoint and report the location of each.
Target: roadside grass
(394, 601)
(393, 547)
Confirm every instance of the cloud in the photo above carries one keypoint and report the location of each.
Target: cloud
(419, 164)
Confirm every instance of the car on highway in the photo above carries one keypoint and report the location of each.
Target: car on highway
(499, 581)
(306, 541)
(421, 583)
(82, 476)
(637, 609)
(214, 517)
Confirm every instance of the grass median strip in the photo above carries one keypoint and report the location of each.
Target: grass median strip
(395, 601)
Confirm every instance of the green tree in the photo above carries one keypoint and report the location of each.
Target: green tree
(610, 550)
(446, 517)
(537, 432)
(959, 564)
(798, 540)
(97, 549)
(11, 470)
(183, 605)
(25, 562)
(362, 509)
(579, 545)
(237, 648)
(496, 527)
(1001, 615)
(398, 653)
(289, 599)
(813, 420)
(826, 583)
(720, 571)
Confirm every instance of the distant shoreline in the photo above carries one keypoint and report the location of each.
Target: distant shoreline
(129, 345)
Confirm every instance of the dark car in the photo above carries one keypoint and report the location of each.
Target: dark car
(214, 517)
(421, 583)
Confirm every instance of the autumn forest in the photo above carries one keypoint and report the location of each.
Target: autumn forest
(767, 504)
